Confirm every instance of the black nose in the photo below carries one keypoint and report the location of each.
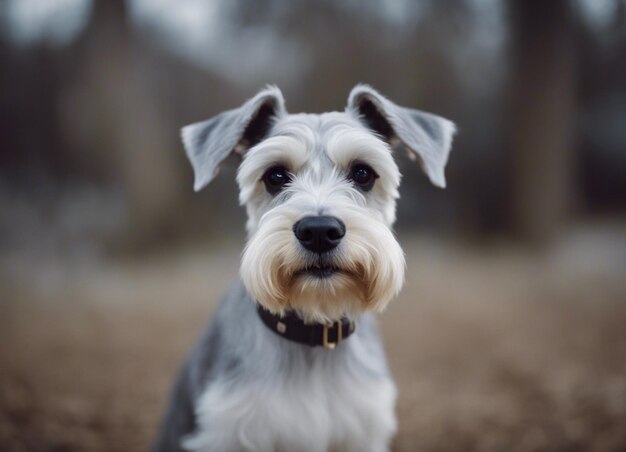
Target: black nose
(319, 234)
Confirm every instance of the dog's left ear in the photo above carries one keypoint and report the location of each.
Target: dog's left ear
(209, 142)
(427, 136)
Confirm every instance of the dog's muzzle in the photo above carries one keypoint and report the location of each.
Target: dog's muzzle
(319, 234)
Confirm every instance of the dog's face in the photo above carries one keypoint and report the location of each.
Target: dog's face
(320, 192)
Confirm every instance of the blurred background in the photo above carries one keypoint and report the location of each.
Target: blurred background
(511, 331)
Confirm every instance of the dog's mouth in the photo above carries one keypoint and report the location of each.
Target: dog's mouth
(319, 271)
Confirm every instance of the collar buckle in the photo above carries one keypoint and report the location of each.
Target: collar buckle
(290, 326)
(325, 342)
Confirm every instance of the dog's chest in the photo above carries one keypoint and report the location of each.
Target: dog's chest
(316, 409)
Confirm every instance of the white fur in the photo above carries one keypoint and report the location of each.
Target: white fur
(320, 405)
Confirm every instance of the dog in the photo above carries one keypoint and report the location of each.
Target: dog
(292, 360)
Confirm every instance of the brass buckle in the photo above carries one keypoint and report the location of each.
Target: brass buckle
(331, 345)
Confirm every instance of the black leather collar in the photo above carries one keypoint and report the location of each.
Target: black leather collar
(293, 328)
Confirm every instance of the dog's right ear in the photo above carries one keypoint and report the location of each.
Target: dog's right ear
(427, 137)
(209, 142)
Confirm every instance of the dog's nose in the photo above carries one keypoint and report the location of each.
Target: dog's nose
(319, 234)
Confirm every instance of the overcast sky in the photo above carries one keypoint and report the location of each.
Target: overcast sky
(198, 29)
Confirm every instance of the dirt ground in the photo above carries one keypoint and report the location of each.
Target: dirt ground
(493, 348)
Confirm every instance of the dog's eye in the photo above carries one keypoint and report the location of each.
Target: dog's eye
(275, 178)
(363, 176)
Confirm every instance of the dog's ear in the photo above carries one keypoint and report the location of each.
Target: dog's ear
(426, 136)
(209, 142)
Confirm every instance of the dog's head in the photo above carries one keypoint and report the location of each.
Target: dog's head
(320, 191)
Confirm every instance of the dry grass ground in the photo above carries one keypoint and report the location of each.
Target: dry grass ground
(493, 349)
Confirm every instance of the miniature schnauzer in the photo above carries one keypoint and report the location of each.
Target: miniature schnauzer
(292, 360)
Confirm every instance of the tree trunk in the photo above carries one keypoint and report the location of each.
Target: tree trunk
(542, 107)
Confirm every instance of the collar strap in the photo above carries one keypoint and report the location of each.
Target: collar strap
(292, 327)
